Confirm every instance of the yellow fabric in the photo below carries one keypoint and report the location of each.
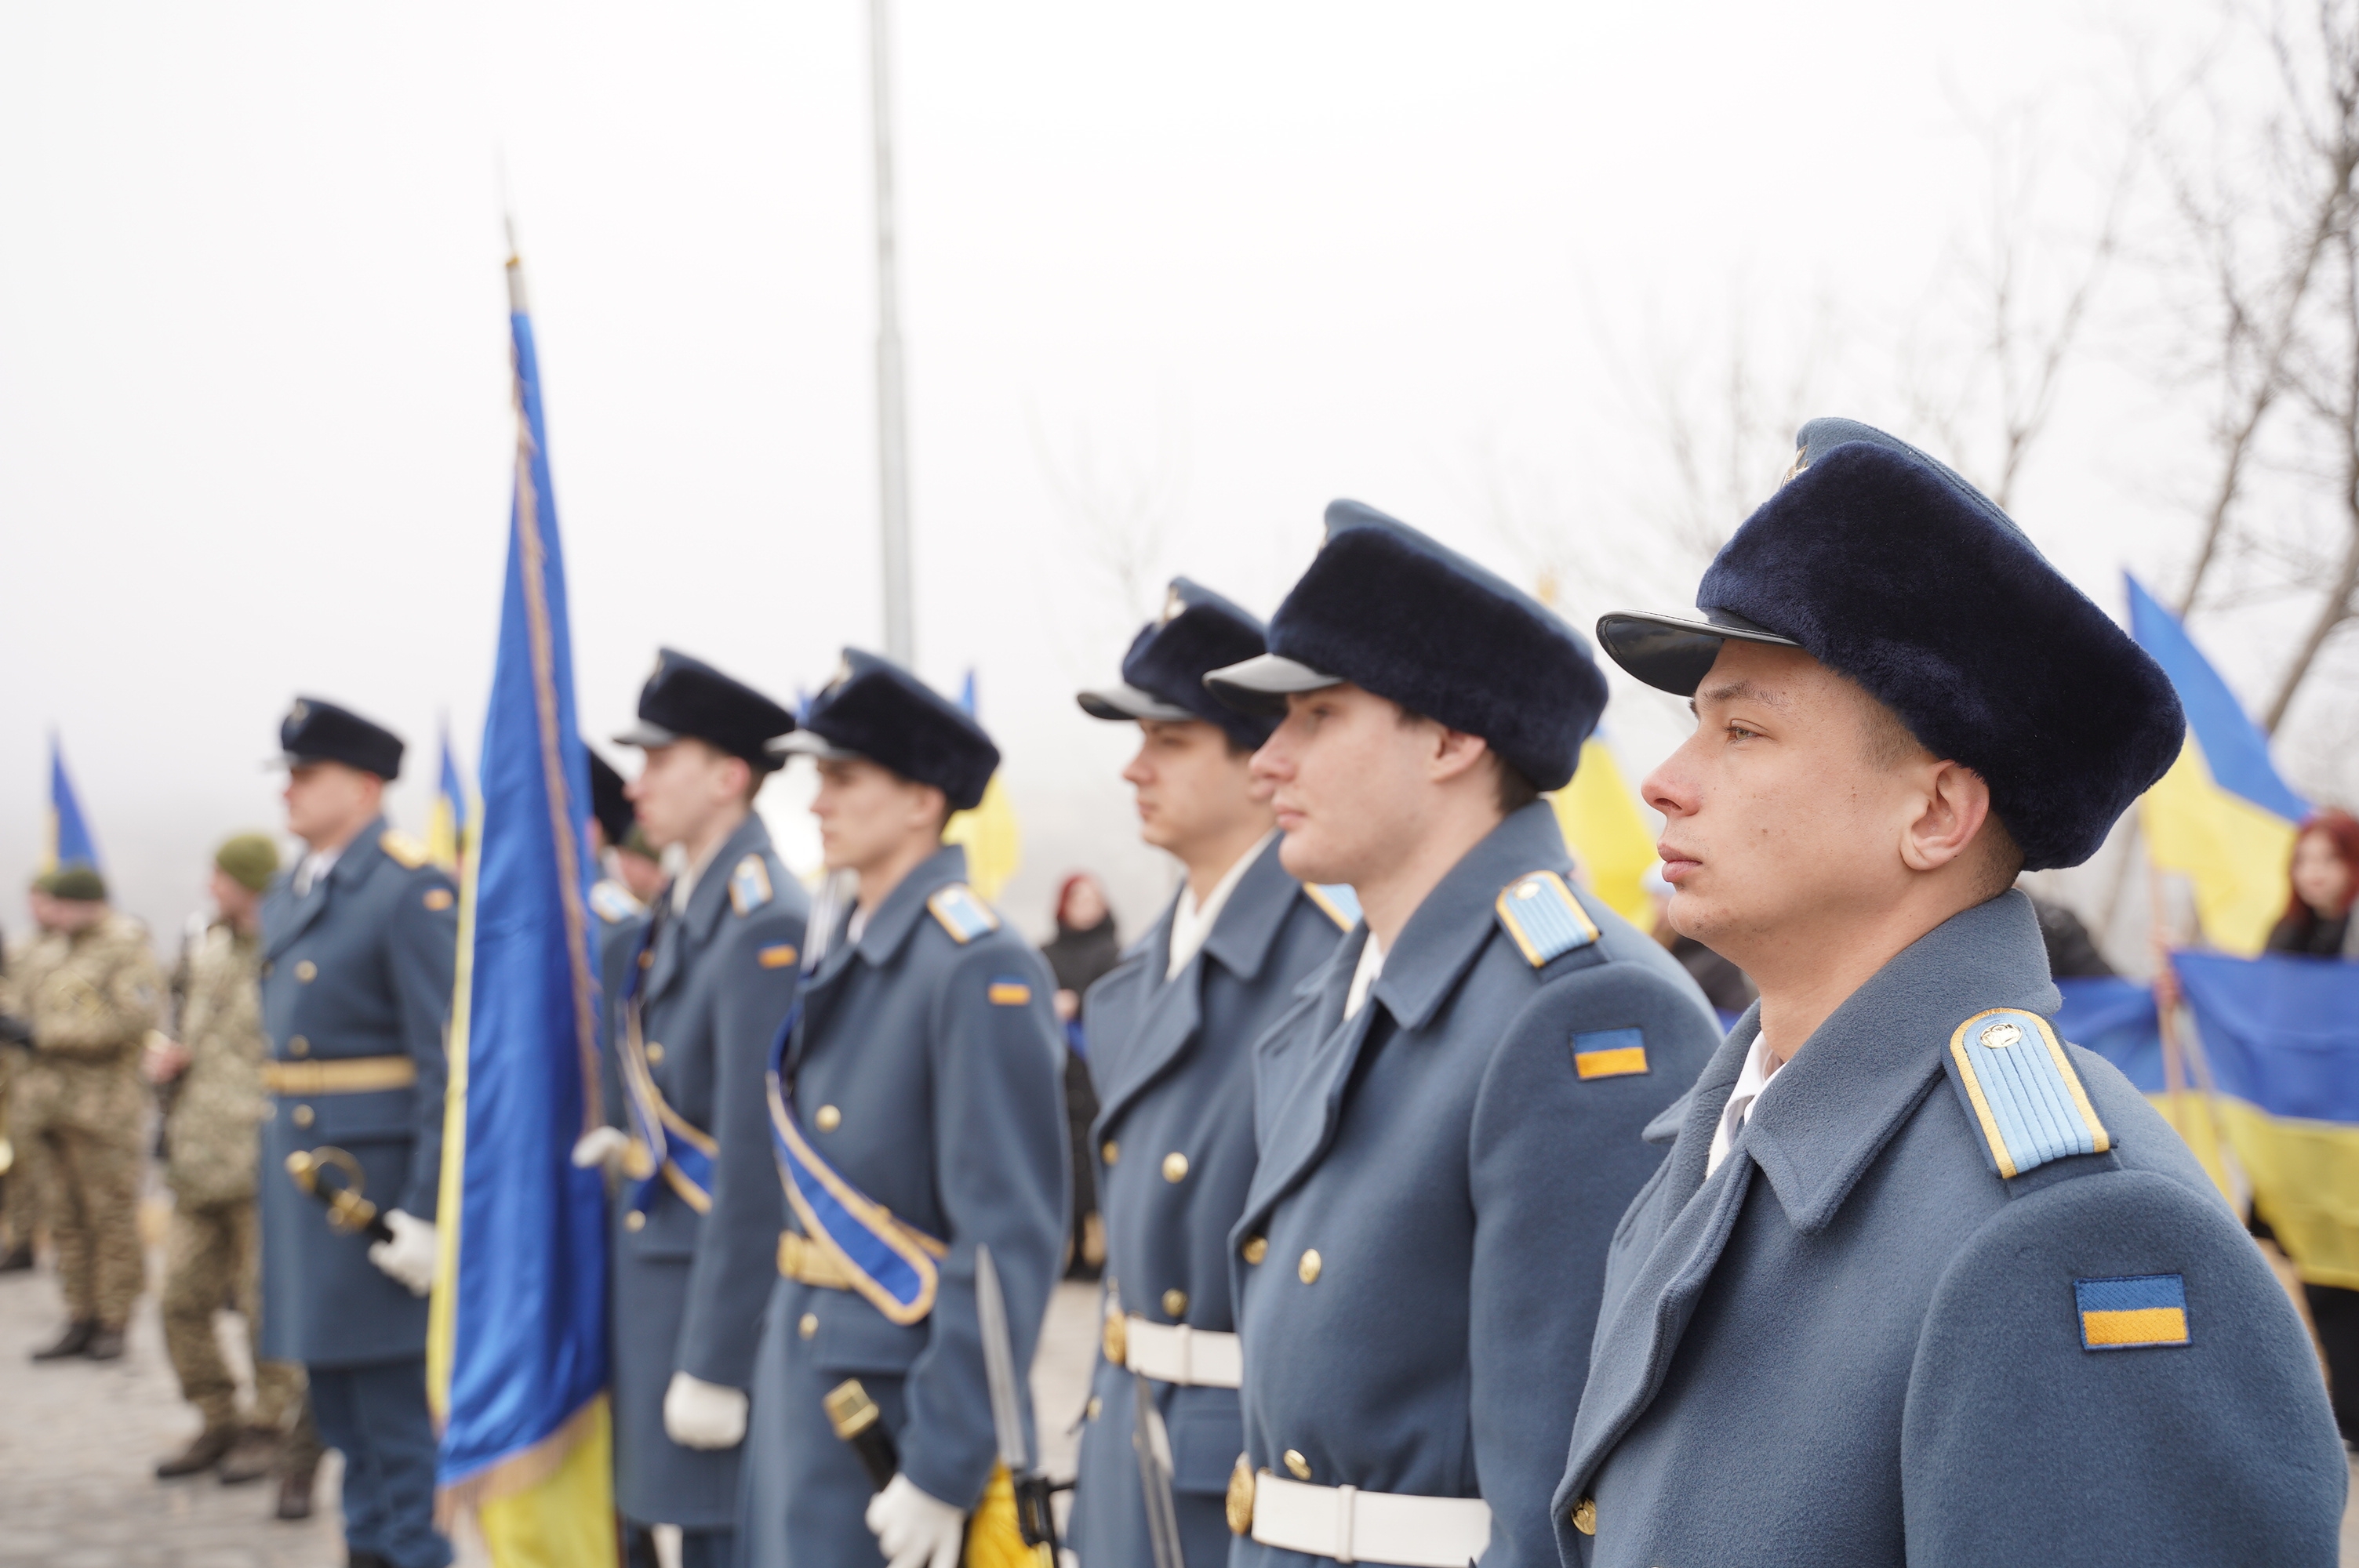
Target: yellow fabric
(2237, 854)
(1618, 1062)
(2305, 1184)
(994, 844)
(993, 1540)
(2196, 1117)
(2144, 1326)
(1608, 834)
(566, 1519)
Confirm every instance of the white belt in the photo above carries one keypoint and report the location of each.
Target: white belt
(1352, 1526)
(1191, 1358)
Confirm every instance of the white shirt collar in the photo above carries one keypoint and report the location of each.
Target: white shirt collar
(1750, 1084)
(314, 867)
(1192, 924)
(1364, 979)
(684, 880)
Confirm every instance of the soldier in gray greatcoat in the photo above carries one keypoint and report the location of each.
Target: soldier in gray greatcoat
(359, 952)
(914, 1113)
(1170, 1048)
(1449, 1115)
(699, 986)
(1921, 1282)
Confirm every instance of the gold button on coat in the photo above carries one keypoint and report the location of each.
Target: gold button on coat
(634, 1220)
(654, 1051)
(1298, 1464)
(1584, 1516)
(1308, 1267)
(828, 1119)
(1255, 1248)
(1116, 1337)
(1175, 1304)
(1175, 1166)
(303, 1114)
(1110, 1151)
(1096, 1404)
(299, 1047)
(809, 1326)
(307, 971)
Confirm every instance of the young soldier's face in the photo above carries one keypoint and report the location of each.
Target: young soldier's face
(682, 788)
(869, 815)
(1352, 777)
(326, 802)
(1781, 819)
(1190, 788)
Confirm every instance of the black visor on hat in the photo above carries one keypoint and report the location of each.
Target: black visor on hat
(1163, 674)
(687, 699)
(874, 709)
(1674, 655)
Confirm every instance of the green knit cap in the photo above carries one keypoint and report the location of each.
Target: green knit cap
(251, 859)
(78, 884)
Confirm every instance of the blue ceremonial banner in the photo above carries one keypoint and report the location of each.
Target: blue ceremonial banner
(520, 1323)
(69, 838)
(2116, 1018)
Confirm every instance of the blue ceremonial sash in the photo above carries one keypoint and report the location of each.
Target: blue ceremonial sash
(891, 1264)
(684, 1165)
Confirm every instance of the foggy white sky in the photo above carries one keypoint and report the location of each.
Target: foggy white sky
(254, 429)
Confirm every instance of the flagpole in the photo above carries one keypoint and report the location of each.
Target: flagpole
(892, 428)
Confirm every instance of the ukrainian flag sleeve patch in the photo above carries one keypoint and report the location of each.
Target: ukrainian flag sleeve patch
(1009, 991)
(2141, 1312)
(1609, 1053)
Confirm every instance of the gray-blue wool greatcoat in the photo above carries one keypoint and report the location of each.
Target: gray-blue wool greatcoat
(1857, 1343)
(717, 980)
(1458, 1178)
(1172, 1061)
(928, 1071)
(361, 966)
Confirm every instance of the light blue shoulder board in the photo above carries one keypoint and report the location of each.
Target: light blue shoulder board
(1336, 901)
(962, 914)
(2021, 1092)
(1546, 922)
(611, 902)
(749, 885)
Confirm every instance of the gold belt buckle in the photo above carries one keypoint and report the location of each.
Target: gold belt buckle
(1240, 1504)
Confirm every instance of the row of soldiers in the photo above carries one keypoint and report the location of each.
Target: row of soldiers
(93, 1024)
(1442, 1222)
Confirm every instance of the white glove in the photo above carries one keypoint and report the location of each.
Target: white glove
(915, 1530)
(698, 1414)
(413, 1253)
(602, 1146)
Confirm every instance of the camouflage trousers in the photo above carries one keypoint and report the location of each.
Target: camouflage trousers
(213, 1259)
(20, 1192)
(92, 1202)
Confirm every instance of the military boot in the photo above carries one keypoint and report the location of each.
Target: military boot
(204, 1451)
(254, 1455)
(104, 1344)
(295, 1489)
(72, 1342)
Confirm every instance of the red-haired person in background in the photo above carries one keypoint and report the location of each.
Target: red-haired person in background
(2325, 878)
(2317, 924)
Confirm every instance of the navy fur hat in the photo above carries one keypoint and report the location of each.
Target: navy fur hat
(876, 709)
(1163, 674)
(1886, 566)
(1389, 610)
(317, 731)
(687, 699)
(608, 803)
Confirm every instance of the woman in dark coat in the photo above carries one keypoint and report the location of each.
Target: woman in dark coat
(1084, 948)
(2317, 924)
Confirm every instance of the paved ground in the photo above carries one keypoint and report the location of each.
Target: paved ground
(78, 1440)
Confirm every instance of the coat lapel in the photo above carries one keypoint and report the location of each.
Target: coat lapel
(295, 915)
(1305, 1122)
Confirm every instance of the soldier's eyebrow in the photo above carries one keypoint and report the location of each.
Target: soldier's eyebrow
(1738, 691)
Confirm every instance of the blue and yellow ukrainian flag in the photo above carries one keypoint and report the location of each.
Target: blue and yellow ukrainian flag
(2220, 815)
(994, 840)
(449, 824)
(2281, 1036)
(517, 1344)
(67, 842)
(1607, 833)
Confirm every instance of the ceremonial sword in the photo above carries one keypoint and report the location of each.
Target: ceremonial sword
(1034, 1519)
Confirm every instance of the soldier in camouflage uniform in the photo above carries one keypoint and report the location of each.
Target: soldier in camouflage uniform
(20, 1189)
(90, 991)
(212, 1143)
